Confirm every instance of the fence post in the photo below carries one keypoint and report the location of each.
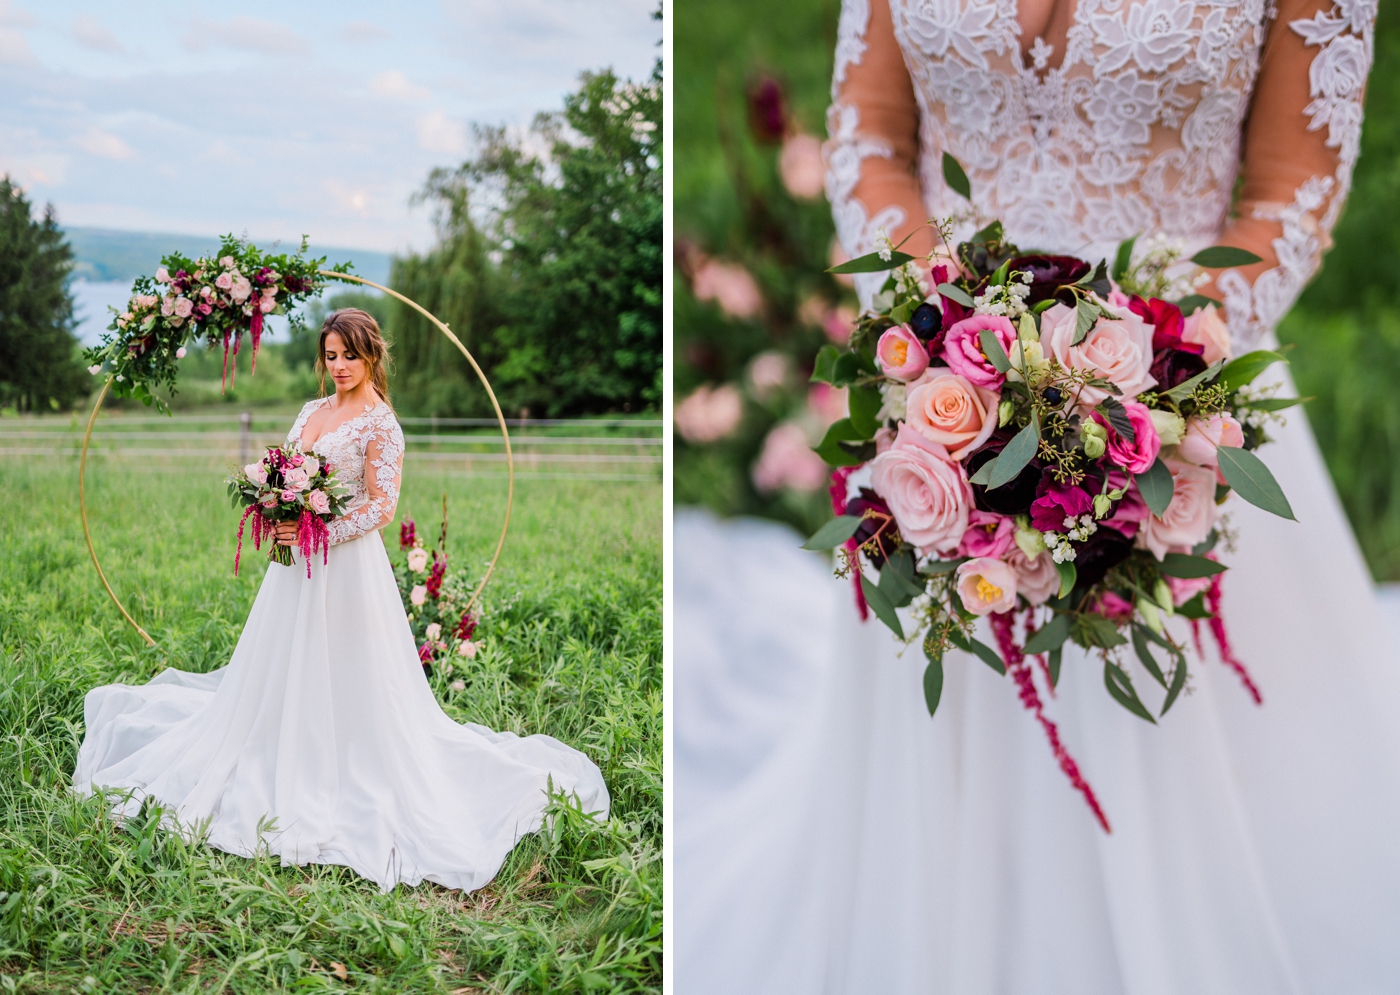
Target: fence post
(245, 437)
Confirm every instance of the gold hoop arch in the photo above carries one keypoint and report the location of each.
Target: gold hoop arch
(442, 327)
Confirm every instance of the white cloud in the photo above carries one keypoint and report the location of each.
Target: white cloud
(13, 17)
(15, 50)
(249, 34)
(362, 32)
(439, 133)
(103, 143)
(395, 85)
(90, 33)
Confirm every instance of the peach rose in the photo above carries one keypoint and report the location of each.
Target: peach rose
(418, 559)
(1190, 516)
(1119, 351)
(946, 408)
(1205, 328)
(1204, 437)
(901, 354)
(926, 490)
(987, 586)
(1037, 579)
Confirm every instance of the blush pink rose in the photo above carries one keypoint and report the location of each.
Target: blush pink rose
(1119, 351)
(1139, 455)
(256, 472)
(297, 479)
(224, 281)
(289, 497)
(183, 307)
(787, 461)
(241, 289)
(311, 465)
(1037, 580)
(1204, 437)
(901, 354)
(927, 491)
(946, 408)
(962, 348)
(266, 305)
(319, 501)
(162, 275)
(884, 438)
(1190, 516)
(987, 586)
(1206, 329)
(987, 534)
(418, 595)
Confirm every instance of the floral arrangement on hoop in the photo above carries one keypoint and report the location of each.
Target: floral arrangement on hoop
(216, 299)
(287, 485)
(1048, 445)
(435, 600)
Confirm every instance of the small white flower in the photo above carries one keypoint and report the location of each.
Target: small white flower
(120, 378)
(458, 686)
(433, 631)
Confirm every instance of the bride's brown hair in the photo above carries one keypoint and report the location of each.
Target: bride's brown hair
(360, 332)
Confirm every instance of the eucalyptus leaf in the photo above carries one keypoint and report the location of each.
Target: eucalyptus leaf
(932, 568)
(898, 588)
(1192, 303)
(994, 350)
(955, 293)
(1069, 574)
(1090, 629)
(1195, 607)
(983, 476)
(1156, 487)
(1120, 686)
(1207, 544)
(1251, 479)
(1276, 403)
(1018, 452)
(1053, 665)
(987, 655)
(1224, 257)
(933, 683)
(1189, 567)
(834, 532)
(881, 606)
(1186, 388)
(956, 177)
(1178, 682)
(872, 263)
(1239, 372)
(1050, 636)
(1124, 258)
(1145, 655)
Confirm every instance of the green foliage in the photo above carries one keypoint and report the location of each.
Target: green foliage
(555, 282)
(39, 356)
(573, 649)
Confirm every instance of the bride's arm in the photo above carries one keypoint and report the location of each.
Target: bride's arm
(873, 149)
(383, 474)
(1301, 141)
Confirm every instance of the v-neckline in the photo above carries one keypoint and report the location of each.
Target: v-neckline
(1021, 55)
(301, 437)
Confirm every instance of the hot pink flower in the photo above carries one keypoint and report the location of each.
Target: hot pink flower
(1049, 511)
(1114, 607)
(926, 490)
(987, 586)
(269, 500)
(962, 348)
(987, 534)
(901, 354)
(1139, 455)
(289, 496)
(1183, 589)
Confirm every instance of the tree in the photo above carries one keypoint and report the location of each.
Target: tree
(557, 289)
(40, 364)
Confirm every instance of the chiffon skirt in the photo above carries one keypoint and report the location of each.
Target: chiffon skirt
(322, 742)
(831, 837)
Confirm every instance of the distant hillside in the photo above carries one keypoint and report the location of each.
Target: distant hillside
(103, 254)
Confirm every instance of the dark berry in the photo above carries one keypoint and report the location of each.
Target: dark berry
(926, 321)
(1052, 395)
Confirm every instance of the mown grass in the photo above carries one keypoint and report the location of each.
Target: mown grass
(571, 647)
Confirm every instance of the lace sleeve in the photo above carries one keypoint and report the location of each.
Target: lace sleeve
(1302, 140)
(873, 145)
(384, 446)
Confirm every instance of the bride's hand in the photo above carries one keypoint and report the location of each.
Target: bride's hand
(285, 533)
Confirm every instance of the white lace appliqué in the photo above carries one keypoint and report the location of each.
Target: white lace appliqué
(373, 439)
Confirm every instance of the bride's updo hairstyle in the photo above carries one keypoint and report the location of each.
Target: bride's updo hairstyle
(360, 332)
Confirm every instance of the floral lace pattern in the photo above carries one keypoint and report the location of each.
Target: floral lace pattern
(373, 439)
(1137, 131)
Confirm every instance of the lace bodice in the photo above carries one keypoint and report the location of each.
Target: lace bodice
(367, 454)
(1144, 126)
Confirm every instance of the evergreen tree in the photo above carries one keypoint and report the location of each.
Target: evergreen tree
(40, 364)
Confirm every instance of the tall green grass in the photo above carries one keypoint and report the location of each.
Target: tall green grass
(571, 647)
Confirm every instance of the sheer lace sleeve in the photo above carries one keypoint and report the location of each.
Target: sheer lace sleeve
(1302, 139)
(873, 146)
(383, 448)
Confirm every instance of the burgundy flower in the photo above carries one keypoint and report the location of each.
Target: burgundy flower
(882, 524)
(436, 575)
(1049, 274)
(1102, 551)
(1167, 324)
(466, 626)
(408, 534)
(1056, 502)
(1171, 366)
(768, 110)
(262, 275)
(1013, 497)
(425, 653)
(953, 312)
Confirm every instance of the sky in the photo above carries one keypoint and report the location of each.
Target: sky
(308, 117)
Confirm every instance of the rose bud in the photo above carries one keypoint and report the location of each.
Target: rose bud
(901, 354)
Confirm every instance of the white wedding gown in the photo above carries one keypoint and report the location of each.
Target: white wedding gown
(830, 836)
(321, 740)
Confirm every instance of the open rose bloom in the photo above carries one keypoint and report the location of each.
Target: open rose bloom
(287, 486)
(1051, 455)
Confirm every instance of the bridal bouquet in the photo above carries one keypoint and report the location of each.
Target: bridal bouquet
(217, 299)
(1045, 443)
(287, 485)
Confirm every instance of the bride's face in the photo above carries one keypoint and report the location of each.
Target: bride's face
(346, 369)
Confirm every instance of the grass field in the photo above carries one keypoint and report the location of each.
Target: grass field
(571, 647)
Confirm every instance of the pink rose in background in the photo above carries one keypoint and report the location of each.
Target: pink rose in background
(224, 281)
(827, 403)
(926, 490)
(1190, 516)
(205, 291)
(962, 348)
(241, 289)
(787, 461)
(289, 497)
(884, 439)
(1206, 329)
(987, 586)
(709, 414)
(769, 373)
(226, 262)
(1139, 455)
(1204, 437)
(183, 307)
(467, 649)
(297, 478)
(944, 407)
(320, 502)
(729, 285)
(1131, 511)
(146, 300)
(162, 275)
(1049, 511)
(418, 559)
(1183, 589)
(1115, 607)
(167, 305)
(1037, 580)
(987, 534)
(266, 305)
(801, 166)
(901, 355)
(1119, 351)
(418, 595)
(839, 323)
(256, 472)
(180, 353)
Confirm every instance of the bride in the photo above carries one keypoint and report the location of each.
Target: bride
(830, 836)
(321, 740)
